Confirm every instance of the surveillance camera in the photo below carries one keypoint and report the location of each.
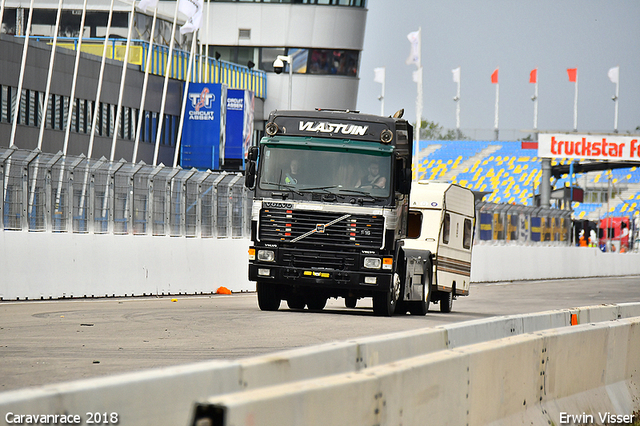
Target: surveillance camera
(278, 66)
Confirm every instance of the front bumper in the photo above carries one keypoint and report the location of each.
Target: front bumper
(326, 269)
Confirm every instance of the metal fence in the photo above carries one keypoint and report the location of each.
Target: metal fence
(522, 225)
(57, 193)
(44, 192)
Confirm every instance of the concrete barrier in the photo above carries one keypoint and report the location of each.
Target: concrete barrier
(40, 265)
(539, 378)
(541, 263)
(166, 396)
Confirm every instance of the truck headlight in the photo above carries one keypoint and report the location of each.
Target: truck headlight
(266, 255)
(372, 262)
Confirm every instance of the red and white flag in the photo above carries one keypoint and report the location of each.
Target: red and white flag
(533, 76)
(573, 74)
(494, 77)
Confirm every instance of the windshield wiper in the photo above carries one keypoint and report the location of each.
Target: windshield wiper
(326, 190)
(284, 185)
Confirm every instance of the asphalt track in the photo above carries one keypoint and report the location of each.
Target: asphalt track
(45, 342)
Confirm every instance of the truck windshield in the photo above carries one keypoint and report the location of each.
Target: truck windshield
(340, 171)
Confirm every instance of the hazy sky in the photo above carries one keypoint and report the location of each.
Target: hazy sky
(516, 36)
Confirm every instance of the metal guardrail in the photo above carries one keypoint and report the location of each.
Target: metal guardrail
(56, 193)
(522, 225)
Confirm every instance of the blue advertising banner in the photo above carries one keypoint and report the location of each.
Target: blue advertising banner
(203, 133)
(235, 124)
(239, 126)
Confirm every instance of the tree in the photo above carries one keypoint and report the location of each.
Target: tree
(430, 130)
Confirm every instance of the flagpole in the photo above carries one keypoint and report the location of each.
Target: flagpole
(16, 108)
(206, 76)
(184, 99)
(72, 96)
(458, 102)
(164, 88)
(615, 120)
(145, 83)
(497, 110)
(96, 110)
(575, 105)
(45, 105)
(382, 96)
(74, 84)
(418, 103)
(535, 106)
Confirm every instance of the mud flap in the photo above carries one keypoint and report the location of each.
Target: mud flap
(415, 261)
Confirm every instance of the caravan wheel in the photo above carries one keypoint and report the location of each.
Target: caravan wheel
(446, 301)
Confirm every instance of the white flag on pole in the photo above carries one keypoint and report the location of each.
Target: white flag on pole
(146, 4)
(193, 10)
(414, 55)
(614, 74)
(456, 75)
(379, 74)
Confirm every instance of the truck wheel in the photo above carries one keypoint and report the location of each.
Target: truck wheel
(268, 297)
(384, 302)
(296, 302)
(350, 302)
(446, 301)
(316, 302)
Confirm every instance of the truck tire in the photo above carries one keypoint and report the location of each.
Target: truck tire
(446, 301)
(384, 302)
(268, 296)
(296, 302)
(316, 302)
(350, 302)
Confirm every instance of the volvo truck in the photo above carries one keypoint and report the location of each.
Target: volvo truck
(333, 217)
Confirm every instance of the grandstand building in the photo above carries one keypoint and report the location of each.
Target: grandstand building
(324, 38)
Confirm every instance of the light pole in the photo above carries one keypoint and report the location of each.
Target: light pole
(278, 66)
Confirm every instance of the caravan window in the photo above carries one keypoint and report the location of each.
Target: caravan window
(446, 228)
(466, 242)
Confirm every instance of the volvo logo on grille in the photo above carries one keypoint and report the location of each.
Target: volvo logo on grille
(278, 205)
(320, 228)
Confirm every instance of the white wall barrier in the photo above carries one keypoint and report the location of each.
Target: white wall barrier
(382, 380)
(42, 265)
(495, 263)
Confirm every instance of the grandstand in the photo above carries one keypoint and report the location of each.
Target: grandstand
(511, 174)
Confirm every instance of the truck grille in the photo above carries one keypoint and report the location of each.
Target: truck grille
(314, 259)
(321, 228)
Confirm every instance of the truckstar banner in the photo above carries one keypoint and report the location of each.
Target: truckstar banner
(203, 135)
(593, 147)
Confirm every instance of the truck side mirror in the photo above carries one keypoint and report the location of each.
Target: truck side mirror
(250, 175)
(403, 177)
(405, 184)
(252, 154)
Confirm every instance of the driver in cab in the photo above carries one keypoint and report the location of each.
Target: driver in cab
(373, 179)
